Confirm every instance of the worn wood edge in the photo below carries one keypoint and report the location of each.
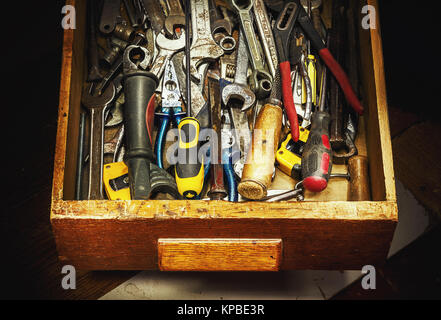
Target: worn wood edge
(382, 106)
(219, 254)
(307, 244)
(164, 209)
(63, 112)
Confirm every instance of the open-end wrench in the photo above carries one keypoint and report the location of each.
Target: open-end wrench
(218, 23)
(175, 18)
(167, 48)
(239, 89)
(203, 48)
(110, 15)
(261, 80)
(96, 106)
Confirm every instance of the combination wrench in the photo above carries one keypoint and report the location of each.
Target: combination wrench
(263, 24)
(97, 106)
(261, 80)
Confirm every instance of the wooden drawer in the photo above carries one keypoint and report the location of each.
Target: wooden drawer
(320, 233)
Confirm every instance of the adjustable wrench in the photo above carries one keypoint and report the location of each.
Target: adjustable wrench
(97, 106)
(240, 91)
(175, 18)
(261, 80)
(203, 48)
(167, 48)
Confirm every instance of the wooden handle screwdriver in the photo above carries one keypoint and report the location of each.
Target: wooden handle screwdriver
(259, 167)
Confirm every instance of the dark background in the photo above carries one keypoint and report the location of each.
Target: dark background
(31, 62)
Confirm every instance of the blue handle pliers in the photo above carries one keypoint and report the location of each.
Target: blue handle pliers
(171, 107)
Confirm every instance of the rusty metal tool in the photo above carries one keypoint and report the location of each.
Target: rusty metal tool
(217, 190)
(155, 14)
(114, 146)
(110, 16)
(203, 48)
(261, 80)
(97, 106)
(171, 108)
(167, 48)
(264, 28)
(218, 23)
(175, 17)
(115, 69)
(239, 88)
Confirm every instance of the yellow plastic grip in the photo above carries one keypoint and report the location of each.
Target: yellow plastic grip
(189, 171)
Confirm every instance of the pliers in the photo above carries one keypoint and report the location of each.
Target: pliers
(171, 107)
(228, 153)
(293, 12)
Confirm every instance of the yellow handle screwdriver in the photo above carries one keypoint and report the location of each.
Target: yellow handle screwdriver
(189, 171)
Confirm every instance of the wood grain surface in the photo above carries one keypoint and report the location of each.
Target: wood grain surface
(219, 254)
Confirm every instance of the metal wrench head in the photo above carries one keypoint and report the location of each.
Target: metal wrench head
(236, 91)
(91, 101)
(171, 22)
(175, 18)
(163, 43)
(136, 58)
(203, 48)
(261, 83)
(242, 4)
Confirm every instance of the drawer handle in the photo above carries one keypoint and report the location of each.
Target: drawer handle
(219, 254)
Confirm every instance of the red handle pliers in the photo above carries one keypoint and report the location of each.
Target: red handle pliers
(282, 35)
(292, 13)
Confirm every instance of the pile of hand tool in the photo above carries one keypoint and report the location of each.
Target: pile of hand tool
(205, 99)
